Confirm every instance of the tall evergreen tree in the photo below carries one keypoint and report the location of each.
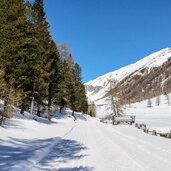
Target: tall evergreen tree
(81, 100)
(65, 85)
(77, 96)
(48, 57)
(16, 44)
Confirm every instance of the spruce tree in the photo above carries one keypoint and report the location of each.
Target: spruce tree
(66, 93)
(78, 101)
(81, 100)
(48, 57)
(15, 45)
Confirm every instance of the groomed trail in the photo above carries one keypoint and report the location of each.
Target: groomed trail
(86, 145)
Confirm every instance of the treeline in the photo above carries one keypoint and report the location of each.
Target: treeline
(34, 71)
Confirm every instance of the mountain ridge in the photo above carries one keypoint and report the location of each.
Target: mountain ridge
(99, 87)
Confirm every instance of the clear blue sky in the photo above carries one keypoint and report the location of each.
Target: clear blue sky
(105, 35)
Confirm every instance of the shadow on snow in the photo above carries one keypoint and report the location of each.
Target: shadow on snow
(18, 154)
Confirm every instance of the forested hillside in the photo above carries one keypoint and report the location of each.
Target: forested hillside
(146, 84)
(35, 72)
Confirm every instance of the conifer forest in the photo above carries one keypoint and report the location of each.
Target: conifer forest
(36, 74)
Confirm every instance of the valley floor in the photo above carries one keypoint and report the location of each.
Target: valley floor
(84, 145)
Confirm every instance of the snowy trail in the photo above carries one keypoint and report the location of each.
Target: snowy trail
(43, 154)
(88, 145)
(145, 153)
(105, 148)
(107, 154)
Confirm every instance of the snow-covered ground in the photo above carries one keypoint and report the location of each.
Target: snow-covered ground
(156, 117)
(84, 145)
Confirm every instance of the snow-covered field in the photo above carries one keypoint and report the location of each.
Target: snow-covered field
(156, 117)
(84, 145)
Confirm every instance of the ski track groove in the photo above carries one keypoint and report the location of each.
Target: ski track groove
(75, 135)
(49, 149)
(134, 163)
(107, 143)
(140, 143)
(133, 143)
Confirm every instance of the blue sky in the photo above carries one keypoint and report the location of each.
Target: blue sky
(105, 35)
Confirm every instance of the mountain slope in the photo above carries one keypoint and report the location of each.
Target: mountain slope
(99, 87)
(148, 78)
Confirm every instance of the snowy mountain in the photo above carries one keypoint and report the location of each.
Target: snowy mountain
(151, 71)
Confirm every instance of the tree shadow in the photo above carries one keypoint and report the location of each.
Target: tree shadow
(17, 121)
(10, 124)
(76, 169)
(81, 117)
(26, 154)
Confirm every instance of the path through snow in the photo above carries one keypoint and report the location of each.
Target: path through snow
(83, 145)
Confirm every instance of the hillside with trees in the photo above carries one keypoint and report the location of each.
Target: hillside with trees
(146, 84)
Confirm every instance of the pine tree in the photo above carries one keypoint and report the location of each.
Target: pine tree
(48, 57)
(83, 99)
(54, 77)
(62, 90)
(78, 100)
(27, 69)
(81, 102)
(15, 44)
(42, 63)
(61, 98)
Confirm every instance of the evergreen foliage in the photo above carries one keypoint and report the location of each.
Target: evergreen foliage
(32, 68)
(16, 47)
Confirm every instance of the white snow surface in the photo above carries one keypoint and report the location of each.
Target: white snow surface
(84, 145)
(155, 117)
(154, 60)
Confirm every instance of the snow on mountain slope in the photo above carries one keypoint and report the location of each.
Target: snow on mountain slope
(97, 88)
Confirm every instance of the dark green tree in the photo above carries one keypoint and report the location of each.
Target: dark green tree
(78, 100)
(48, 62)
(81, 100)
(16, 46)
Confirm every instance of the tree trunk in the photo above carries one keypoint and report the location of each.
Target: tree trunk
(74, 115)
(113, 119)
(32, 105)
(114, 106)
(23, 107)
(6, 109)
(49, 100)
(62, 104)
(61, 107)
(38, 109)
(1, 118)
(72, 112)
(168, 100)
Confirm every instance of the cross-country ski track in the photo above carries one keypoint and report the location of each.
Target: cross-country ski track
(83, 145)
